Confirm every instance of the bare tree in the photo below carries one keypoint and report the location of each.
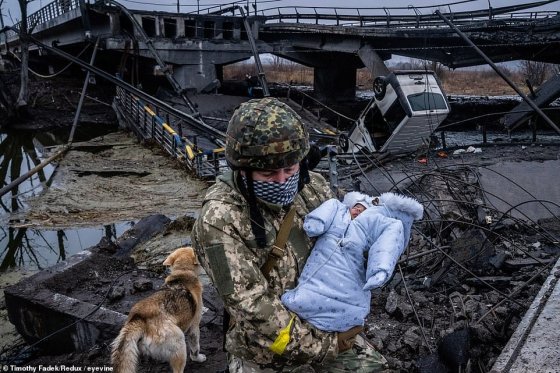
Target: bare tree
(6, 99)
(417, 64)
(24, 33)
(277, 63)
(535, 72)
(2, 22)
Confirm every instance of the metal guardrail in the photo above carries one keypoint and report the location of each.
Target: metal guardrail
(45, 14)
(388, 16)
(297, 95)
(53, 10)
(147, 122)
(341, 16)
(388, 20)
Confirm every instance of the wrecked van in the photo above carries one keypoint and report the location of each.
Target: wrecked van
(406, 108)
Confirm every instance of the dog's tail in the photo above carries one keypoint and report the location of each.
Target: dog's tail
(124, 354)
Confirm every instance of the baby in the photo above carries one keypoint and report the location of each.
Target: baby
(334, 289)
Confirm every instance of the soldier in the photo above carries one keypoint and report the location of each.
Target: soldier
(243, 244)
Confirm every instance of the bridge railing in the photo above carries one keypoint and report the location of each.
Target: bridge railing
(53, 10)
(531, 15)
(387, 17)
(149, 124)
(45, 14)
(216, 9)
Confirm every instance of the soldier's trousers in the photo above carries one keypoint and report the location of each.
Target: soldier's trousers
(362, 358)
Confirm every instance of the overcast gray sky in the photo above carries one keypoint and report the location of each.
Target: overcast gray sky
(11, 8)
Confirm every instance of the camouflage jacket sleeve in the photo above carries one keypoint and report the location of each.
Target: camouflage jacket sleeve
(224, 243)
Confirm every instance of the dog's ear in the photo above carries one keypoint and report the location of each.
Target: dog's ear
(169, 261)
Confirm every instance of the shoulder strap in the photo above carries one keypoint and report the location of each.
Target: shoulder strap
(278, 248)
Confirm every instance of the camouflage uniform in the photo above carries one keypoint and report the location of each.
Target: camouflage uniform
(263, 334)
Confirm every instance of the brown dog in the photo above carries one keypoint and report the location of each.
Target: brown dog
(156, 325)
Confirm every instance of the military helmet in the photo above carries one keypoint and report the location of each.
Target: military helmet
(265, 134)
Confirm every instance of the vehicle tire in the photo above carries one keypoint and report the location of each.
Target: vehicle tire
(379, 87)
(343, 142)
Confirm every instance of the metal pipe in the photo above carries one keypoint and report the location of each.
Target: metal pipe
(499, 72)
(212, 132)
(260, 70)
(164, 68)
(63, 151)
(84, 89)
(33, 171)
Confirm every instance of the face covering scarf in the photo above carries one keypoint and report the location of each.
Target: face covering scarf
(276, 193)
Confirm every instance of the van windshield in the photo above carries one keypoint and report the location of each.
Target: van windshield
(426, 101)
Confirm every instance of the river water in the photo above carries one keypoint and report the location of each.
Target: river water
(28, 248)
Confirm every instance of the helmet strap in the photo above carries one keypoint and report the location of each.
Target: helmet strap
(303, 174)
(257, 220)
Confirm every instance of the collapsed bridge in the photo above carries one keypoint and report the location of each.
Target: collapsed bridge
(334, 41)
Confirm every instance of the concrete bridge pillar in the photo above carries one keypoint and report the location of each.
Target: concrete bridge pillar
(334, 83)
(334, 77)
(196, 77)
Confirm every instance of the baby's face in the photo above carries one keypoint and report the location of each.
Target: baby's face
(356, 210)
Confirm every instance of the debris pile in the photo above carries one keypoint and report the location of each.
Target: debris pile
(467, 279)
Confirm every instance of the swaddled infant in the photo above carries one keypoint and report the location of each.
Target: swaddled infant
(334, 289)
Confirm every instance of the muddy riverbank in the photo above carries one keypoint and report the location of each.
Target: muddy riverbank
(113, 179)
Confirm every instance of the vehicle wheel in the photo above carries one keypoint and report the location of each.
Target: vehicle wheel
(379, 87)
(343, 142)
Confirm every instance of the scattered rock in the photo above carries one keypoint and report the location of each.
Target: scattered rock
(142, 285)
(116, 293)
(474, 248)
(392, 301)
(141, 232)
(498, 260)
(107, 245)
(397, 306)
(412, 338)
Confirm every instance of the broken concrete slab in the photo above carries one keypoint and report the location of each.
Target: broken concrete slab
(39, 312)
(65, 294)
(473, 247)
(384, 180)
(141, 232)
(517, 263)
(69, 299)
(533, 347)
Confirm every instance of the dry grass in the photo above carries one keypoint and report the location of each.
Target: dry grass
(484, 83)
(285, 72)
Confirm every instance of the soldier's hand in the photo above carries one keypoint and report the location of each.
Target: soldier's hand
(346, 339)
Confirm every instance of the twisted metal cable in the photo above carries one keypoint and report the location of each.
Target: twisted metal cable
(57, 73)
